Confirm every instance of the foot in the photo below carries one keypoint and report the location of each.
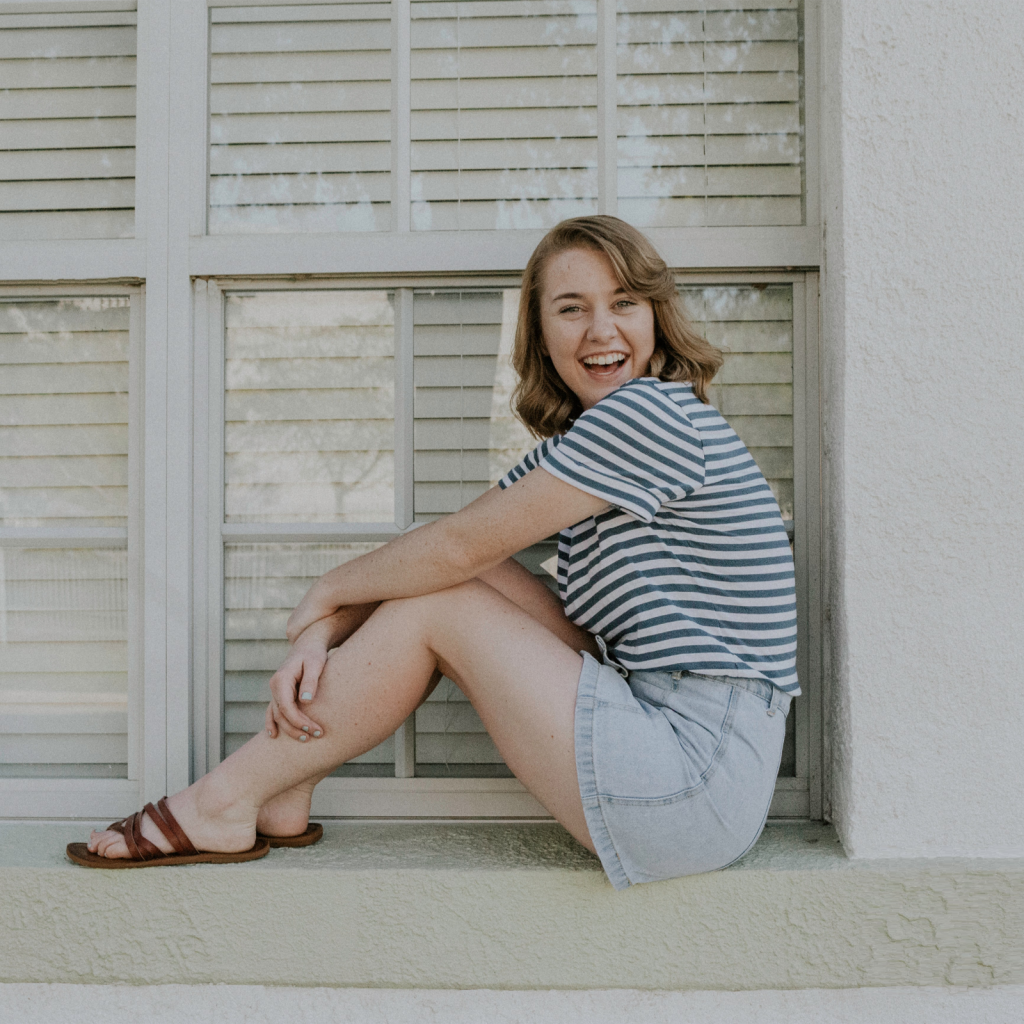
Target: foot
(286, 814)
(213, 823)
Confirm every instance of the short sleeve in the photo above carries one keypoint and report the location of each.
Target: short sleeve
(636, 448)
(531, 462)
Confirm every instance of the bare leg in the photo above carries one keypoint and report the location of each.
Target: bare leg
(288, 813)
(520, 677)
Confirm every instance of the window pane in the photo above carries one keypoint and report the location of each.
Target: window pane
(262, 584)
(64, 464)
(64, 412)
(300, 118)
(710, 123)
(309, 407)
(466, 439)
(67, 121)
(63, 662)
(754, 389)
(504, 113)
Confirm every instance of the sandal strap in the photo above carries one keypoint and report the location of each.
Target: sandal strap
(139, 847)
(168, 824)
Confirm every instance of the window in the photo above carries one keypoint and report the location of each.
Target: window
(334, 203)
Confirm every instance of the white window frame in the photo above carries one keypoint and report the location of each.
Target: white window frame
(171, 250)
(404, 795)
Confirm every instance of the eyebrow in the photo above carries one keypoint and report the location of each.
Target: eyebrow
(577, 295)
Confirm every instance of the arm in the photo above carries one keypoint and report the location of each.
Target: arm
(299, 674)
(521, 587)
(451, 550)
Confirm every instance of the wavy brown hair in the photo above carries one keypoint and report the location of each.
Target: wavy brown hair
(541, 399)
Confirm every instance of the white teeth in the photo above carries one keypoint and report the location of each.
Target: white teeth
(615, 357)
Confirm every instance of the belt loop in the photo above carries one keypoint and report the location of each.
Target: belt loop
(777, 696)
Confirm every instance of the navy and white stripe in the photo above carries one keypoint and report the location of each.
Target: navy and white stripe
(691, 567)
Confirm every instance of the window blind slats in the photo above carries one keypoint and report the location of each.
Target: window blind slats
(754, 388)
(709, 116)
(515, 84)
(309, 404)
(466, 438)
(63, 463)
(59, 358)
(63, 661)
(312, 81)
(262, 584)
(67, 125)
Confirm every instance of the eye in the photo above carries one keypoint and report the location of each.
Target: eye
(625, 302)
(569, 309)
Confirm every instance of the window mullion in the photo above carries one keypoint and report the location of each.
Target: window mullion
(404, 392)
(607, 110)
(401, 115)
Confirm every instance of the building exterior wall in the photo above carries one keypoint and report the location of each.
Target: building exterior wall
(924, 215)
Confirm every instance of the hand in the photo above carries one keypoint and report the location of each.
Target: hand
(297, 677)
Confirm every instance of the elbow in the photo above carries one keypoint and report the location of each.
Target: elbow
(464, 558)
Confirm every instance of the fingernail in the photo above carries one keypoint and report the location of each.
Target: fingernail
(307, 696)
(305, 728)
(317, 733)
(303, 738)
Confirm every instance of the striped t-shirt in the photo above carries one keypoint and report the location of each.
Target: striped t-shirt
(690, 568)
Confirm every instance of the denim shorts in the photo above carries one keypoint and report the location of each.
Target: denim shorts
(676, 770)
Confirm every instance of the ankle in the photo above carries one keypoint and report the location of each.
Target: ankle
(215, 798)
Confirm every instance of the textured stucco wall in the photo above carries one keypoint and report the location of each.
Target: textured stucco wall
(923, 207)
(508, 907)
(250, 1004)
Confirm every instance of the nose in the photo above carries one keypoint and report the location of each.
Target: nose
(602, 326)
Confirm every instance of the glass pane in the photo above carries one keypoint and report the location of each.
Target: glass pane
(309, 407)
(300, 118)
(262, 584)
(466, 439)
(63, 463)
(64, 412)
(63, 662)
(710, 122)
(67, 121)
(753, 325)
(504, 113)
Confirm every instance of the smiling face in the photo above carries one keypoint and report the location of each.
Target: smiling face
(596, 333)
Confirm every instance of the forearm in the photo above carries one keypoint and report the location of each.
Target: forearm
(335, 629)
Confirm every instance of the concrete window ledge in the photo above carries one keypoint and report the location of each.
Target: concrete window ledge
(506, 906)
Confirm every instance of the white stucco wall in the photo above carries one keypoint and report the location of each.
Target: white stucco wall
(923, 319)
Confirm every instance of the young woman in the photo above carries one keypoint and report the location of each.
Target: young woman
(646, 709)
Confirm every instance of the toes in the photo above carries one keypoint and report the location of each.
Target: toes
(108, 844)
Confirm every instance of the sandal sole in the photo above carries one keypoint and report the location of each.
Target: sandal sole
(79, 854)
(313, 834)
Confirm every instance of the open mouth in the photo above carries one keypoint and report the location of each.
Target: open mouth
(605, 363)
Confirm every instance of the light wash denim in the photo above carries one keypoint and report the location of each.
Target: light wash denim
(676, 770)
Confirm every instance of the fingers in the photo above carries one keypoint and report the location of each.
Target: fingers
(284, 714)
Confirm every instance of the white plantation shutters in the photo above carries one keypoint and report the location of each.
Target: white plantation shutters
(504, 113)
(709, 119)
(465, 434)
(356, 404)
(67, 125)
(64, 469)
(300, 118)
(465, 439)
(309, 407)
(262, 584)
(754, 389)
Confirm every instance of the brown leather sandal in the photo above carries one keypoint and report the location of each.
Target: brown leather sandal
(313, 834)
(143, 854)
